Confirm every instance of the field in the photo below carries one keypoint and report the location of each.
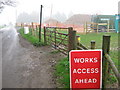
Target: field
(62, 67)
(86, 39)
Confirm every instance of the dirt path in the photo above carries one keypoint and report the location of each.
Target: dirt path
(38, 62)
(25, 66)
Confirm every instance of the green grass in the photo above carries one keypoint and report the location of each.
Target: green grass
(62, 66)
(34, 40)
(62, 73)
(86, 39)
(2, 27)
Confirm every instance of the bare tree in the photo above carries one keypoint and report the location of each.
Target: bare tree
(4, 3)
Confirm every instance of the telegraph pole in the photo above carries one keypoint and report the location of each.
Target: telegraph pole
(40, 23)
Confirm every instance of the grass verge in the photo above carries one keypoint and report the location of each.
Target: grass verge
(32, 39)
(62, 73)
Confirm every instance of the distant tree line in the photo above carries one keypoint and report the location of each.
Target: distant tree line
(27, 18)
(34, 17)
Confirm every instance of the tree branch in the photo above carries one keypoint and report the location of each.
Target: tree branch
(4, 3)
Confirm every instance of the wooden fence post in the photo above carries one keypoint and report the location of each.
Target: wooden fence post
(105, 48)
(86, 28)
(36, 31)
(72, 39)
(92, 44)
(55, 37)
(21, 25)
(45, 42)
(108, 26)
(97, 27)
(32, 29)
(114, 69)
(39, 33)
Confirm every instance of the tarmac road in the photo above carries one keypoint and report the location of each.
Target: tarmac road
(23, 65)
(10, 53)
(0, 59)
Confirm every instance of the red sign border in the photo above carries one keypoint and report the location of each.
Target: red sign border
(85, 50)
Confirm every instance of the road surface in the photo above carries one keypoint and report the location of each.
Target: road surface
(0, 60)
(23, 65)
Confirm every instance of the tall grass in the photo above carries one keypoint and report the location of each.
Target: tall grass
(32, 39)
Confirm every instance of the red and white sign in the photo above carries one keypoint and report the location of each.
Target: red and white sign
(85, 69)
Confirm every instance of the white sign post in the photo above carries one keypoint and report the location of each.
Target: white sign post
(26, 30)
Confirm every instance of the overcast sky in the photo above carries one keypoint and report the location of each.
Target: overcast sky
(63, 6)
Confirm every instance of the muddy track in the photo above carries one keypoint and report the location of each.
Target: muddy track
(39, 63)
